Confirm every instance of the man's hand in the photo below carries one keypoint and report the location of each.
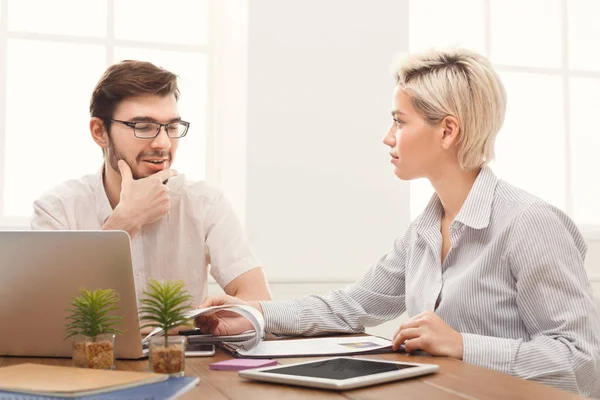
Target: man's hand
(223, 322)
(429, 333)
(142, 201)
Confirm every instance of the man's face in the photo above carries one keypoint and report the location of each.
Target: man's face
(144, 156)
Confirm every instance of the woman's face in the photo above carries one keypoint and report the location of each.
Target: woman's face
(415, 147)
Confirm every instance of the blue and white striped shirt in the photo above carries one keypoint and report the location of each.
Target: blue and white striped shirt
(513, 283)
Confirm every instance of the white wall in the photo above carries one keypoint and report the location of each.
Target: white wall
(226, 138)
(322, 201)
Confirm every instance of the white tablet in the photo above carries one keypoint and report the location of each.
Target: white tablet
(339, 373)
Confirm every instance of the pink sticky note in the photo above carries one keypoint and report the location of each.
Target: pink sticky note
(238, 364)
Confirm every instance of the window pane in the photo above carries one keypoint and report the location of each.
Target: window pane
(47, 118)
(584, 34)
(526, 33)
(432, 29)
(585, 142)
(174, 21)
(191, 69)
(530, 146)
(61, 17)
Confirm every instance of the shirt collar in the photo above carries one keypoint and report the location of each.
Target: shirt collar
(103, 208)
(431, 216)
(476, 210)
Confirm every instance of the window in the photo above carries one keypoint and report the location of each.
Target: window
(544, 53)
(52, 53)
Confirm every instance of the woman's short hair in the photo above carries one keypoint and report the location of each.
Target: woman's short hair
(463, 84)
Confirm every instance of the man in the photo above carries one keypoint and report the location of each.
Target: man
(177, 227)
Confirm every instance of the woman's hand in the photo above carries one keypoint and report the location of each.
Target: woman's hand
(429, 333)
(224, 322)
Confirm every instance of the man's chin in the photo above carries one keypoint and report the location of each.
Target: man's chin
(138, 175)
(141, 173)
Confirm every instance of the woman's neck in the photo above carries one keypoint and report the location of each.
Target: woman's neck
(452, 186)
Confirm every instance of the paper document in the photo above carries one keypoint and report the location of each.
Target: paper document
(338, 345)
(255, 318)
(250, 344)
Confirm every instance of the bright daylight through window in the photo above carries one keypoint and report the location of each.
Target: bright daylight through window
(51, 66)
(545, 54)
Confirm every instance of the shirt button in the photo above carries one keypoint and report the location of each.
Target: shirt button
(138, 273)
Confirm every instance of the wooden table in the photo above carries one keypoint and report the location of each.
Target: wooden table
(456, 380)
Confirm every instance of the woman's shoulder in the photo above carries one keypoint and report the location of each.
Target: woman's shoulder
(531, 218)
(521, 203)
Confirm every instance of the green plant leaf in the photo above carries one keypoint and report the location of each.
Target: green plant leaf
(92, 313)
(164, 304)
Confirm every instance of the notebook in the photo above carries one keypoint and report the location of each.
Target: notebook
(69, 382)
(170, 389)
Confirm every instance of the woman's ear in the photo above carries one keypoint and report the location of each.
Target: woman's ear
(451, 129)
(99, 133)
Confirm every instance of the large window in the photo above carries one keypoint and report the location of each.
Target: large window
(546, 54)
(52, 53)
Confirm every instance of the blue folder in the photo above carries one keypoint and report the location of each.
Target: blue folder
(169, 389)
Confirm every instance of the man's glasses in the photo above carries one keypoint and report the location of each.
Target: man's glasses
(149, 130)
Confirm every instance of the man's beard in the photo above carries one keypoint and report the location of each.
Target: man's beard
(114, 155)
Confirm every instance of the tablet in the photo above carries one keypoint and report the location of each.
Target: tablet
(339, 373)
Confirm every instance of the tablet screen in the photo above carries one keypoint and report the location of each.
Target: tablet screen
(339, 368)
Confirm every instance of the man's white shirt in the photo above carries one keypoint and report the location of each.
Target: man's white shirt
(201, 233)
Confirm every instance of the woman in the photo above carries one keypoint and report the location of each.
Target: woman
(488, 273)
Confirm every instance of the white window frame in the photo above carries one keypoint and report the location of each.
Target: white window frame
(590, 231)
(110, 43)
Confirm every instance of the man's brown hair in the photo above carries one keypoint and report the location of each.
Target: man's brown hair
(129, 78)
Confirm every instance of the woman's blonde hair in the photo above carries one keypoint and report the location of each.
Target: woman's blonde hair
(463, 84)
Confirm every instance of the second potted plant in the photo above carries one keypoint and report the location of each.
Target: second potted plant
(93, 327)
(165, 306)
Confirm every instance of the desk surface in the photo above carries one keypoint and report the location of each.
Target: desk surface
(456, 380)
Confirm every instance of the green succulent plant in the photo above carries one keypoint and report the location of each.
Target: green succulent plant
(89, 315)
(165, 305)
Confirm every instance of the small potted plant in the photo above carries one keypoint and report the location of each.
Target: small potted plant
(164, 306)
(92, 324)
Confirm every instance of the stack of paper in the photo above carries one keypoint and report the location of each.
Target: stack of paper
(325, 346)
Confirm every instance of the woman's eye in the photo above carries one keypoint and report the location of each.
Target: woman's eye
(398, 122)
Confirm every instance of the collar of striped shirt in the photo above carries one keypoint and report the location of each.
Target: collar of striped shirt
(476, 210)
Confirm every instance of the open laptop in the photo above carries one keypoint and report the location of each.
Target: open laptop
(41, 271)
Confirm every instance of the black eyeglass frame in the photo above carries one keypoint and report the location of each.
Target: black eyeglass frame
(132, 124)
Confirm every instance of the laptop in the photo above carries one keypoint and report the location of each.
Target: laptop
(42, 271)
